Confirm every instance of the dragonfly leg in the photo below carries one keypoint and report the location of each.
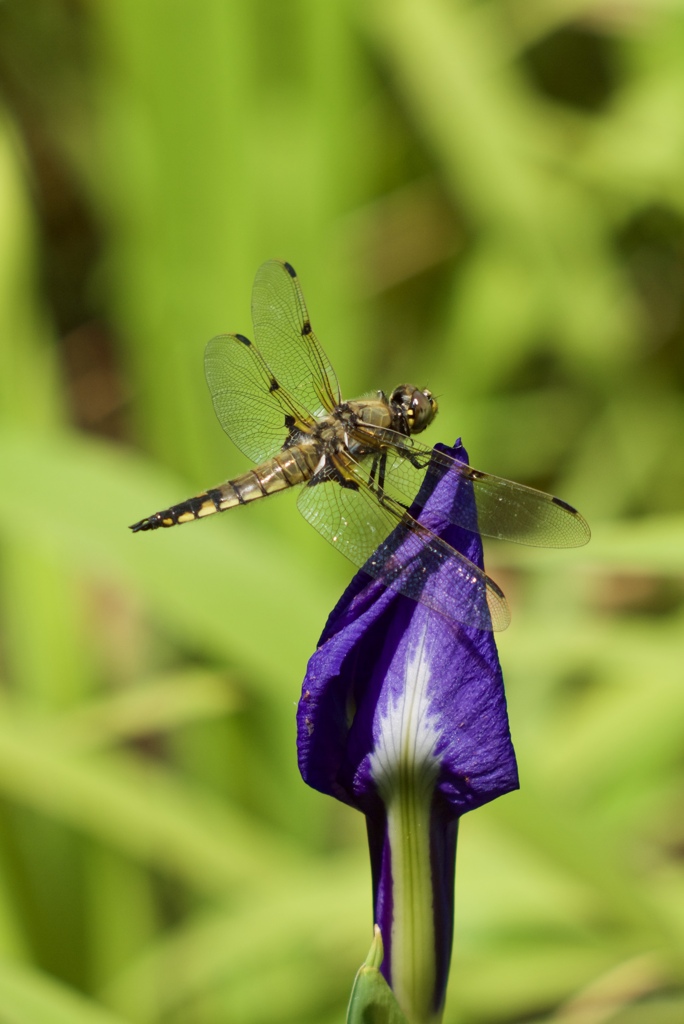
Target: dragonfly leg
(415, 460)
(378, 470)
(382, 466)
(376, 482)
(373, 471)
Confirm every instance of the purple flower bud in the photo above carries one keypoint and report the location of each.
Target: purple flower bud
(403, 716)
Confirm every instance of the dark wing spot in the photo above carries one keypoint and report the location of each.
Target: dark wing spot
(306, 327)
(245, 341)
(564, 504)
(289, 421)
(475, 474)
(290, 269)
(274, 385)
(330, 471)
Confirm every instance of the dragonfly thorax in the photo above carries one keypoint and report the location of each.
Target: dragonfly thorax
(417, 408)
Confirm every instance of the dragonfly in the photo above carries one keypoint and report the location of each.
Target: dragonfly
(357, 465)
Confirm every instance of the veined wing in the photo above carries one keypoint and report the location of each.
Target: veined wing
(502, 508)
(286, 340)
(390, 545)
(251, 403)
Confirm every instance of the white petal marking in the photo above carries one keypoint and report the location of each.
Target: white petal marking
(407, 734)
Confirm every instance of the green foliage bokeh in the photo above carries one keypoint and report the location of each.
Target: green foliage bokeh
(484, 197)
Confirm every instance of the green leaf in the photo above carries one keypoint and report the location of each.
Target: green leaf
(372, 1000)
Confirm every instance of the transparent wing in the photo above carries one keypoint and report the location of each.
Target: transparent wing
(251, 404)
(286, 340)
(505, 509)
(388, 544)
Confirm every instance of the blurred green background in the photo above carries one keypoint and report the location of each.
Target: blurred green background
(484, 197)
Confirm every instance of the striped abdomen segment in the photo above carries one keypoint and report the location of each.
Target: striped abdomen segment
(293, 466)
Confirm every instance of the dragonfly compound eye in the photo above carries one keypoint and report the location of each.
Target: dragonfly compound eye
(424, 409)
(418, 407)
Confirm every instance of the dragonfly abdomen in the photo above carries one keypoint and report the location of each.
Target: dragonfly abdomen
(287, 468)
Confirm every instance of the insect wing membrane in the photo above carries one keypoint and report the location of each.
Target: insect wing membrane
(287, 341)
(251, 406)
(502, 508)
(388, 544)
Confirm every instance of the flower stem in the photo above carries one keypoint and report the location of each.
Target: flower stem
(413, 965)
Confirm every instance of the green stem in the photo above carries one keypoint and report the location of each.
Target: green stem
(413, 930)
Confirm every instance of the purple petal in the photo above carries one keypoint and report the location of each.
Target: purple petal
(360, 667)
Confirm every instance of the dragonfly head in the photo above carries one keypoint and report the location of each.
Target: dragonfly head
(418, 408)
